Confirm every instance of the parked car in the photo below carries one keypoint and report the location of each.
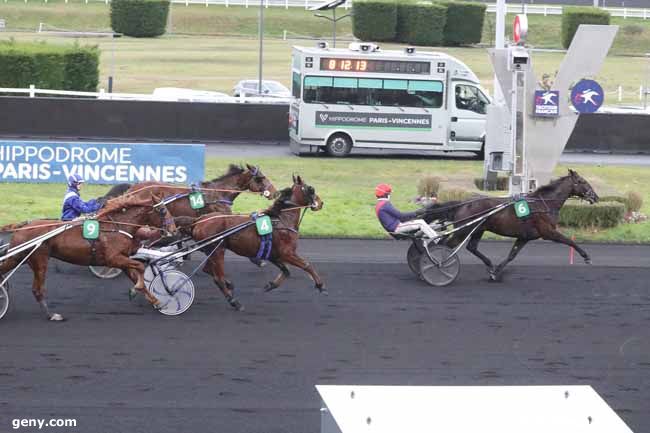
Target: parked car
(269, 88)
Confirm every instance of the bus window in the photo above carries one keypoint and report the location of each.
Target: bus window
(317, 89)
(295, 85)
(471, 98)
(427, 94)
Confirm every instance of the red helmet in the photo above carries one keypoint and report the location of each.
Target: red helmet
(383, 189)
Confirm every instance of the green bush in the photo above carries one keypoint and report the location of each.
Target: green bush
(454, 194)
(421, 23)
(500, 185)
(374, 20)
(428, 186)
(572, 17)
(583, 215)
(464, 22)
(139, 18)
(49, 66)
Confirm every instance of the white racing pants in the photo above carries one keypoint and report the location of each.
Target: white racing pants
(413, 225)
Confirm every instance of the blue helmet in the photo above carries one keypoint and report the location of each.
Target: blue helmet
(74, 180)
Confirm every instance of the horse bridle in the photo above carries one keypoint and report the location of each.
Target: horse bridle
(255, 173)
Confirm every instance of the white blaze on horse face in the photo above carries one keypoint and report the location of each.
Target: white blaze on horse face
(266, 193)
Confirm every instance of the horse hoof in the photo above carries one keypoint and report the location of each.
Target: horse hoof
(588, 261)
(236, 305)
(494, 277)
(323, 291)
(56, 317)
(132, 294)
(270, 286)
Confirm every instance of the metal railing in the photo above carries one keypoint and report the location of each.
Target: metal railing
(33, 92)
(533, 9)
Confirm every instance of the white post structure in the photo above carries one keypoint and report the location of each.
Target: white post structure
(499, 42)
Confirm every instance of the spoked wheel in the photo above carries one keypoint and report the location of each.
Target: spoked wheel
(4, 300)
(444, 268)
(413, 259)
(105, 272)
(174, 290)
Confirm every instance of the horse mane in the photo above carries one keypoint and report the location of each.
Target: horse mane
(121, 202)
(233, 170)
(551, 186)
(278, 204)
(117, 190)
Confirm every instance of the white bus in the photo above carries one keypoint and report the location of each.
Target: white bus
(365, 97)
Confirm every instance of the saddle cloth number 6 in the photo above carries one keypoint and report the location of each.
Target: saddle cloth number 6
(521, 209)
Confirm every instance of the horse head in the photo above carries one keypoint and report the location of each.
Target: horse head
(305, 195)
(164, 218)
(258, 182)
(581, 188)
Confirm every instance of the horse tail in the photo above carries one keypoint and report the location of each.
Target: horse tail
(116, 191)
(444, 211)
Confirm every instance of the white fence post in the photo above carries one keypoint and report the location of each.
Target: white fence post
(306, 4)
(32, 88)
(206, 3)
(620, 93)
(640, 93)
(246, 4)
(284, 35)
(624, 13)
(227, 3)
(286, 4)
(267, 4)
(545, 11)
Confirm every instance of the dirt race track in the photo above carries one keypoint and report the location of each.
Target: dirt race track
(117, 366)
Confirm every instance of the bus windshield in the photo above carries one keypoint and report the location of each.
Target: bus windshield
(373, 91)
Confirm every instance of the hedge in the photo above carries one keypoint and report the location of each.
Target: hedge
(421, 23)
(374, 20)
(49, 66)
(464, 23)
(501, 184)
(572, 17)
(583, 215)
(139, 18)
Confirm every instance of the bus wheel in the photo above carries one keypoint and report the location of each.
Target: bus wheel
(339, 145)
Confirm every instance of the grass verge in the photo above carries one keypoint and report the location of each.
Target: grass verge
(347, 186)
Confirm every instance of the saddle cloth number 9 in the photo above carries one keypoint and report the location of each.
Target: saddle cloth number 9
(521, 209)
(196, 200)
(91, 229)
(264, 226)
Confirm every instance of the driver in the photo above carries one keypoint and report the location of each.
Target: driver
(73, 205)
(395, 221)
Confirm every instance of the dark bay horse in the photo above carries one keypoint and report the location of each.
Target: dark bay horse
(119, 220)
(236, 180)
(286, 216)
(544, 203)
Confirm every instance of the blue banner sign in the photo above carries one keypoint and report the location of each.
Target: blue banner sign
(587, 96)
(546, 103)
(103, 163)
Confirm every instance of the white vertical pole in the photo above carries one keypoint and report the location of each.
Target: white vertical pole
(32, 93)
(286, 4)
(620, 93)
(640, 93)
(499, 42)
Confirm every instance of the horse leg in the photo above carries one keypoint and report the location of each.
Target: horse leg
(134, 269)
(472, 247)
(215, 267)
(516, 248)
(283, 275)
(550, 234)
(299, 262)
(38, 264)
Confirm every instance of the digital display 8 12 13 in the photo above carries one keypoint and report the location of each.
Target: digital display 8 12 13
(374, 66)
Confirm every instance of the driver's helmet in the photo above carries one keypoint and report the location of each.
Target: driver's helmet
(74, 180)
(382, 190)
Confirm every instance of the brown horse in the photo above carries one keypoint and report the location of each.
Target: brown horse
(545, 204)
(234, 182)
(286, 217)
(119, 220)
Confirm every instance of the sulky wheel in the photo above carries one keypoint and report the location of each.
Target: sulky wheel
(174, 290)
(444, 268)
(105, 272)
(413, 259)
(4, 300)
